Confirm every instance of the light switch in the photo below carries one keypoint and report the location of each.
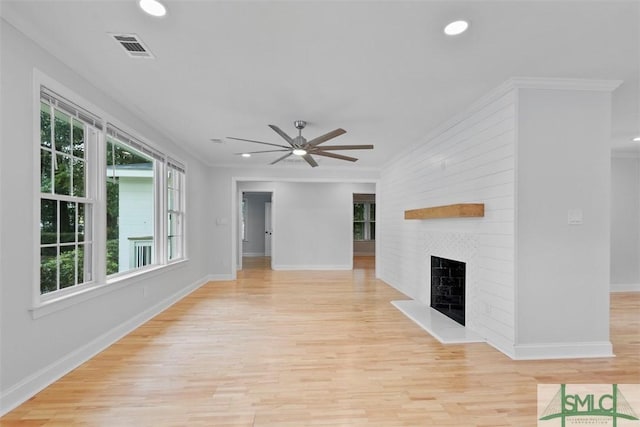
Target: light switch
(574, 216)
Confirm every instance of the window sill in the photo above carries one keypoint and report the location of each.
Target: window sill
(66, 301)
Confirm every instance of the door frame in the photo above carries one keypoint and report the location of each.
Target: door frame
(247, 187)
(268, 228)
(269, 184)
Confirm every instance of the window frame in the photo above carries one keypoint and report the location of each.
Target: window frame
(95, 193)
(181, 212)
(156, 252)
(91, 131)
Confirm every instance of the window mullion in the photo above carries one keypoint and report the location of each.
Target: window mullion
(98, 188)
(160, 183)
(72, 189)
(57, 245)
(65, 198)
(54, 157)
(77, 243)
(366, 222)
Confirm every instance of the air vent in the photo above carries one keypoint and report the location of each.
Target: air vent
(132, 44)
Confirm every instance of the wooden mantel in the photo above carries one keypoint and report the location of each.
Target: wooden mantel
(460, 210)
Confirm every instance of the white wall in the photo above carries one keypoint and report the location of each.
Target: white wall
(625, 222)
(312, 222)
(312, 226)
(467, 160)
(536, 287)
(36, 351)
(254, 242)
(563, 270)
(225, 187)
(364, 247)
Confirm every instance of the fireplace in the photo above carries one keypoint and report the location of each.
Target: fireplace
(448, 287)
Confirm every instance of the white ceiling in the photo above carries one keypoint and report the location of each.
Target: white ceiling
(382, 70)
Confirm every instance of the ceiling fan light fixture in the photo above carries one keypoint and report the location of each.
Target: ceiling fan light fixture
(456, 27)
(153, 7)
(299, 146)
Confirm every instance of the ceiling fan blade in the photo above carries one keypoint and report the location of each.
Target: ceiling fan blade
(310, 160)
(334, 156)
(282, 134)
(281, 158)
(257, 142)
(345, 147)
(263, 151)
(327, 136)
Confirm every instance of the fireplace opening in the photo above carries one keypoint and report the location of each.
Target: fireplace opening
(448, 287)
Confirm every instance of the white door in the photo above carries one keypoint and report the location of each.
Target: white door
(268, 231)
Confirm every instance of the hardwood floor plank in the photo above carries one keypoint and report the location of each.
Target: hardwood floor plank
(278, 348)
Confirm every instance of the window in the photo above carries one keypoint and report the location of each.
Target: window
(364, 218)
(96, 177)
(67, 137)
(131, 212)
(141, 250)
(175, 210)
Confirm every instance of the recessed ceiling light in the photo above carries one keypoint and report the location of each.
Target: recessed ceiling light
(636, 139)
(153, 7)
(456, 27)
(299, 152)
(246, 155)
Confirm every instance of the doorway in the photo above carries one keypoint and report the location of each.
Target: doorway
(256, 224)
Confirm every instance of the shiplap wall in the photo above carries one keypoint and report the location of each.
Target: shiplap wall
(468, 159)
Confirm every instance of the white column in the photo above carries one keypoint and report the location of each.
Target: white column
(562, 218)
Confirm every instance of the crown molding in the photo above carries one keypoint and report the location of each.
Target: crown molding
(625, 154)
(563, 84)
(504, 89)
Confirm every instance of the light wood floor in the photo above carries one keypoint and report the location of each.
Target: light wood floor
(297, 349)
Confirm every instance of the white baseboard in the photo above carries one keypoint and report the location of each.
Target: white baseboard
(390, 283)
(252, 254)
(25, 389)
(220, 277)
(313, 267)
(502, 344)
(625, 287)
(577, 350)
(537, 351)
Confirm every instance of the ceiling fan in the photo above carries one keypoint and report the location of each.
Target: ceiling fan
(299, 146)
